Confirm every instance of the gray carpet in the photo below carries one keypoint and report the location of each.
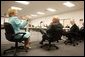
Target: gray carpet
(64, 50)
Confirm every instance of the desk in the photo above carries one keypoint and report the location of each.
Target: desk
(66, 29)
(36, 29)
(2, 26)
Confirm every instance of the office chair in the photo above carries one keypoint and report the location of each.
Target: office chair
(10, 36)
(73, 35)
(81, 34)
(50, 38)
(73, 39)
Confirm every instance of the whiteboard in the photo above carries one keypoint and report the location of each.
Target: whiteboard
(4, 19)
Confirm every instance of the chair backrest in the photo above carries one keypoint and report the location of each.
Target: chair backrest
(55, 34)
(9, 31)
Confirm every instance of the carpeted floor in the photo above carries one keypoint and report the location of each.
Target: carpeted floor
(64, 50)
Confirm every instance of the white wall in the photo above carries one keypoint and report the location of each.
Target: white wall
(78, 14)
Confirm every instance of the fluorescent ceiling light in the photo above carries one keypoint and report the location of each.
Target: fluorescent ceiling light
(40, 13)
(50, 9)
(33, 15)
(23, 2)
(17, 8)
(68, 4)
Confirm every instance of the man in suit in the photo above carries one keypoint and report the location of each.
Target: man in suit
(53, 30)
(74, 30)
(82, 32)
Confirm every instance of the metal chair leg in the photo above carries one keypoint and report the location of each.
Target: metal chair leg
(16, 45)
(15, 52)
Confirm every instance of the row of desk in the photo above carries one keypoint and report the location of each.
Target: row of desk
(36, 29)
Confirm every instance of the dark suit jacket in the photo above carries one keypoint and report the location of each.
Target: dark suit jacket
(81, 32)
(55, 31)
(74, 29)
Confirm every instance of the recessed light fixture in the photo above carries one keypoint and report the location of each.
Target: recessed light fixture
(69, 4)
(33, 15)
(17, 8)
(40, 13)
(23, 2)
(50, 9)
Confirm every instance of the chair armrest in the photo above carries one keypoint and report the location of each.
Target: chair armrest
(42, 31)
(18, 34)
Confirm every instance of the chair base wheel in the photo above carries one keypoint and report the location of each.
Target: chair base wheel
(15, 54)
(26, 51)
(57, 48)
(41, 46)
(48, 48)
(4, 53)
(74, 45)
